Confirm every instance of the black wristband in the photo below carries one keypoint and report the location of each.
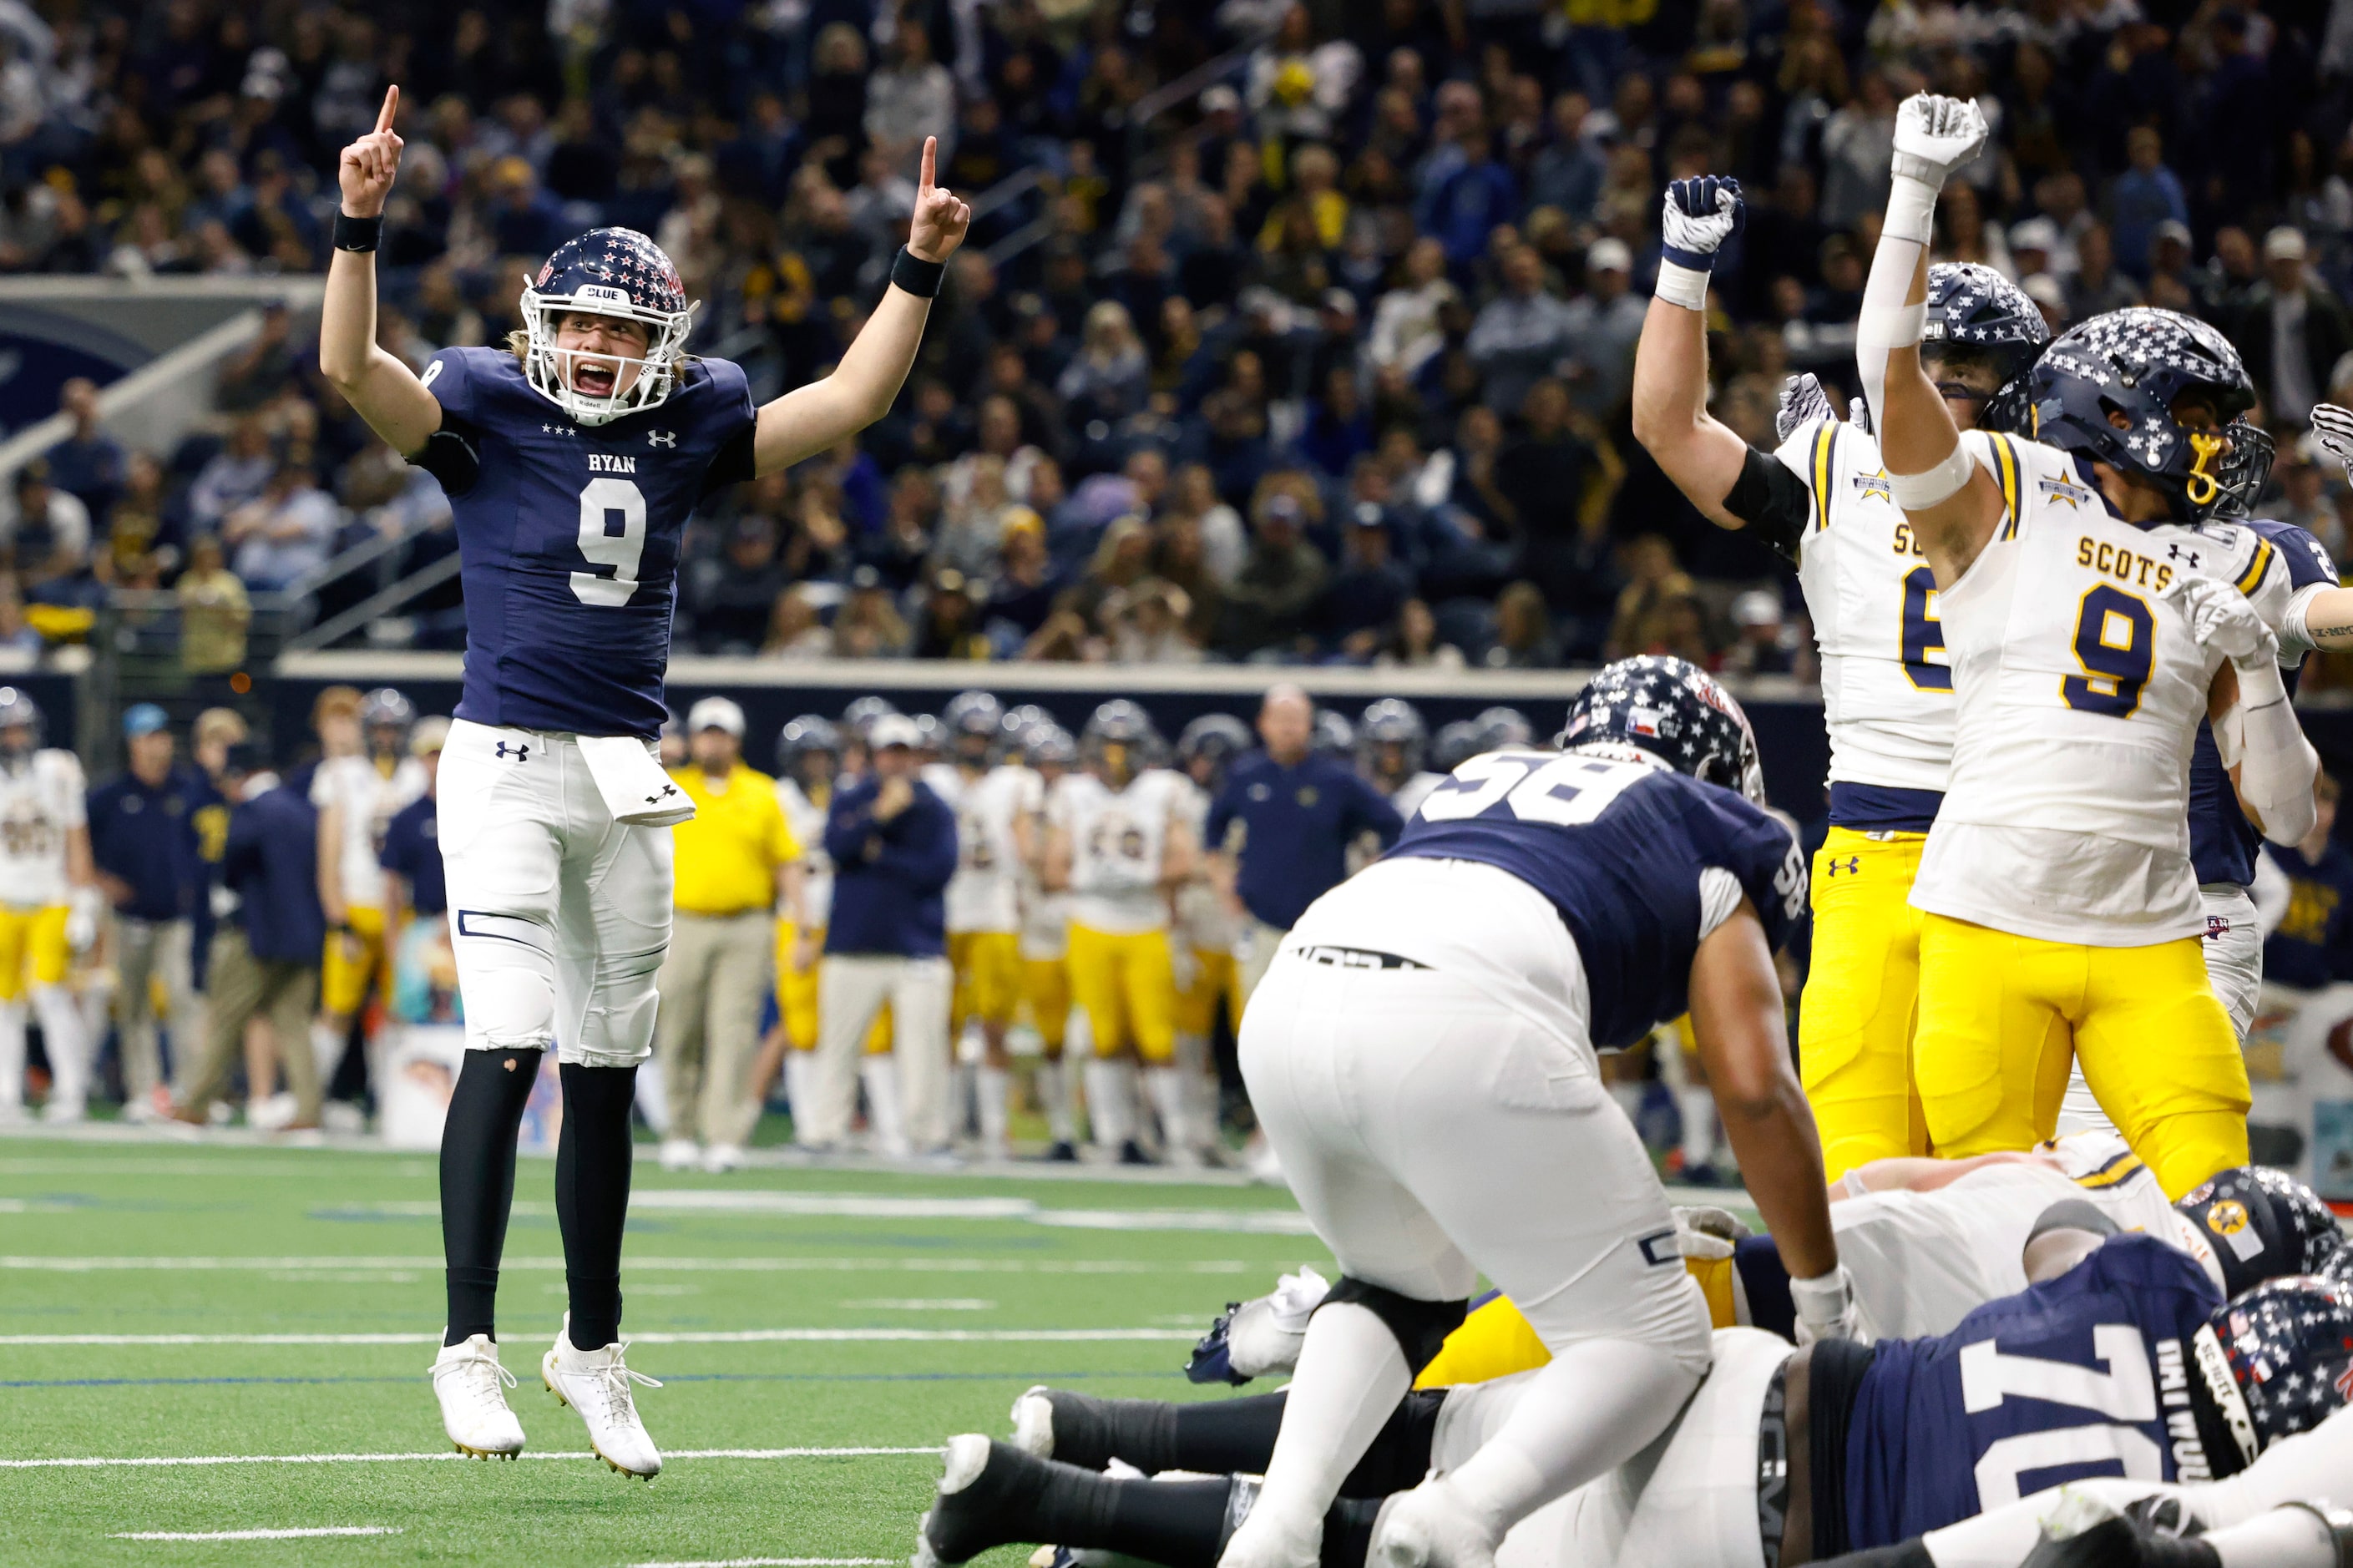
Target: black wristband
(915, 275)
(357, 234)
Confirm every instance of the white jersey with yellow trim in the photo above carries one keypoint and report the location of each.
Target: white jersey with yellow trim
(985, 893)
(1117, 839)
(1887, 687)
(369, 796)
(2081, 693)
(40, 802)
(806, 817)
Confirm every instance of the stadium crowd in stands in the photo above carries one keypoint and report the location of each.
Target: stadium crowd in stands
(1322, 358)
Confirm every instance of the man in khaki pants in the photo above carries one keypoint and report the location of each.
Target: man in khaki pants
(736, 861)
(265, 951)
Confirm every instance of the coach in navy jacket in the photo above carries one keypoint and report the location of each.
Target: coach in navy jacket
(266, 951)
(894, 845)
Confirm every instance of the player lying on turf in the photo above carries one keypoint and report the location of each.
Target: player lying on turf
(572, 459)
(2122, 1356)
(1926, 1240)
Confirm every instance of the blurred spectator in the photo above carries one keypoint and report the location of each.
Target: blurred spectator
(1524, 636)
(950, 626)
(1267, 603)
(47, 532)
(235, 475)
(2097, 287)
(1413, 642)
(1405, 330)
(867, 625)
(214, 611)
(89, 464)
(143, 845)
(2145, 195)
(1521, 333)
(2310, 945)
(1767, 644)
(1603, 327)
(1369, 592)
(284, 533)
(797, 629)
(2290, 330)
(734, 596)
(1109, 377)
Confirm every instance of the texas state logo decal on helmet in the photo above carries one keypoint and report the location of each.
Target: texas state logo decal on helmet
(615, 272)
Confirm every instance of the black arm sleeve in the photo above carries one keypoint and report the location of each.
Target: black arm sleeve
(732, 464)
(453, 454)
(1773, 501)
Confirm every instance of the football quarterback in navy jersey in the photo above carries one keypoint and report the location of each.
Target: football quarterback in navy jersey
(1422, 1057)
(572, 459)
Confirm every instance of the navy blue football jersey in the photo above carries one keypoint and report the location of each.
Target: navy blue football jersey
(2081, 1376)
(569, 536)
(2223, 842)
(1618, 847)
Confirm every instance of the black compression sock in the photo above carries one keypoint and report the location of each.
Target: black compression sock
(592, 1196)
(1237, 1436)
(477, 1172)
(1179, 1523)
(1348, 1532)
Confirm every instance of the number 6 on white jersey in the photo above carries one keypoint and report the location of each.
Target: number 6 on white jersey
(621, 550)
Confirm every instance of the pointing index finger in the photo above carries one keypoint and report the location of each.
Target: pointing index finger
(391, 105)
(931, 165)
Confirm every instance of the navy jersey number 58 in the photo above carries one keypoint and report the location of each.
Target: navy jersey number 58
(1565, 790)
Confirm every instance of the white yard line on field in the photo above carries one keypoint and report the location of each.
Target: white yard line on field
(81, 1264)
(174, 1462)
(780, 1563)
(259, 1534)
(761, 1204)
(658, 1337)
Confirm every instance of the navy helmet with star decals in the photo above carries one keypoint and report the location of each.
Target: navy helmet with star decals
(606, 272)
(1674, 710)
(2262, 1224)
(2138, 363)
(1975, 314)
(2271, 1363)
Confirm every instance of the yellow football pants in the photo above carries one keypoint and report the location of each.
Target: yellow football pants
(1217, 981)
(1127, 986)
(34, 940)
(797, 997)
(1495, 1341)
(1046, 993)
(1855, 1018)
(351, 960)
(1999, 1014)
(988, 965)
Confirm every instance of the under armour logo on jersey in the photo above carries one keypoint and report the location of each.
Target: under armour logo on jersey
(522, 751)
(2173, 552)
(1853, 864)
(662, 438)
(666, 790)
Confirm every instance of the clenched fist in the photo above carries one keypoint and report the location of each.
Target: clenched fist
(940, 219)
(370, 163)
(1935, 136)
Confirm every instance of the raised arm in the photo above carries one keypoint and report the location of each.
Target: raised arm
(386, 392)
(810, 420)
(1954, 505)
(1703, 456)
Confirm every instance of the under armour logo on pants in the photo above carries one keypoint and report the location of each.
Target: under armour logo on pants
(522, 751)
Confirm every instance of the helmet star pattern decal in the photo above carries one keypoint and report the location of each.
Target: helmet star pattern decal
(1674, 710)
(615, 272)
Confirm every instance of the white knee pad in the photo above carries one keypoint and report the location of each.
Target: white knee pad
(617, 1030)
(506, 969)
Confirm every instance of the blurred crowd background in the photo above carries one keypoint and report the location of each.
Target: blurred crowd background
(1287, 332)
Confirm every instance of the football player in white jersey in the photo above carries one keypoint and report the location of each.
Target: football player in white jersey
(992, 799)
(1886, 685)
(364, 780)
(1209, 931)
(1116, 841)
(2096, 614)
(1052, 752)
(49, 908)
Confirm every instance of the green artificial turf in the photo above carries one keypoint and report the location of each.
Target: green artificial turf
(329, 1242)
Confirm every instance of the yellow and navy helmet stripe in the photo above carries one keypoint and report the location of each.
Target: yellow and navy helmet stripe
(2118, 1170)
(2252, 577)
(1825, 441)
(2005, 463)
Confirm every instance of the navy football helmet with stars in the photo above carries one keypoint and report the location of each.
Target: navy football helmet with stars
(2271, 1363)
(2262, 1224)
(1975, 314)
(607, 272)
(1674, 710)
(2138, 363)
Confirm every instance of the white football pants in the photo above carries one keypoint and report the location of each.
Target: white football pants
(559, 915)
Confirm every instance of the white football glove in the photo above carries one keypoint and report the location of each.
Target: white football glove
(1803, 401)
(1826, 1308)
(2334, 426)
(1935, 136)
(81, 919)
(2220, 618)
(1707, 1232)
(1701, 213)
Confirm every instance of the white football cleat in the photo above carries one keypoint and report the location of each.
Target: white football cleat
(471, 1384)
(680, 1155)
(1429, 1526)
(597, 1383)
(722, 1158)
